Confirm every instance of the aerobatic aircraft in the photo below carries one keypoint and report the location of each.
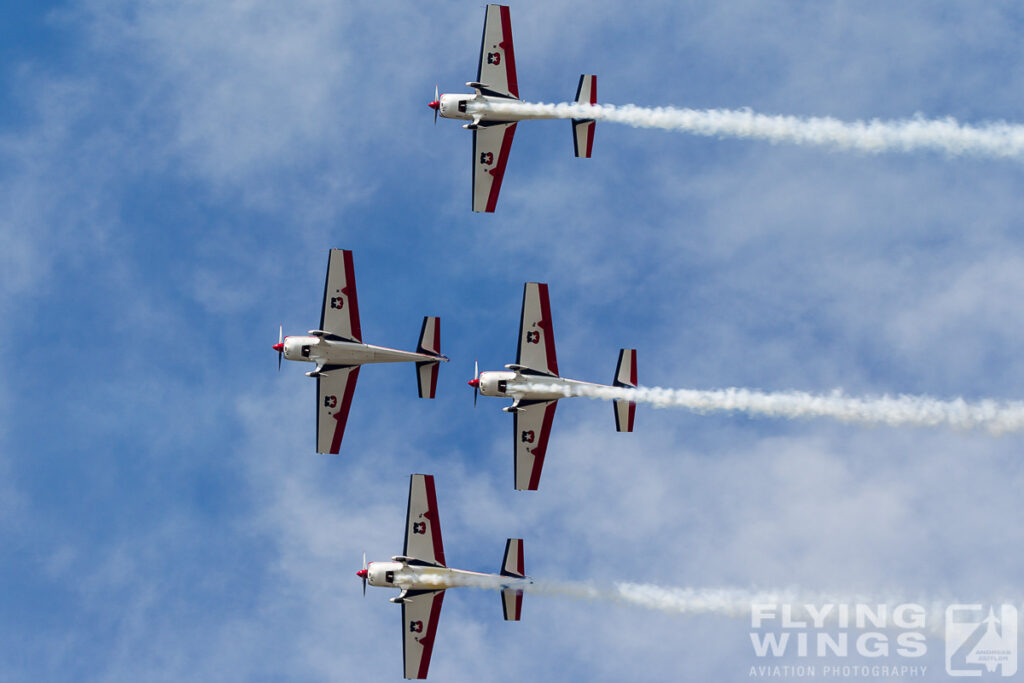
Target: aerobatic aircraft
(338, 350)
(492, 133)
(535, 386)
(421, 574)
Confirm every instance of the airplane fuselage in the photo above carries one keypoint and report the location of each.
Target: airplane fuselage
(472, 107)
(519, 386)
(409, 577)
(314, 349)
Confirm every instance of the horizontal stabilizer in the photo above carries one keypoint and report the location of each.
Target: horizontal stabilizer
(625, 370)
(512, 603)
(426, 378)
(429, 344)
(625, 376)
(512, 566)
(430, 336)
(583, 129)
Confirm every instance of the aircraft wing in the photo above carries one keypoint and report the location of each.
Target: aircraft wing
(536, 349)
(334, 387)
(422, 523)
(340, 313)
(497, 70)
(420, 613)
(491, 145)
(531, 430)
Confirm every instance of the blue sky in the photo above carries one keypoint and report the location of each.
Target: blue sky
(174, 174)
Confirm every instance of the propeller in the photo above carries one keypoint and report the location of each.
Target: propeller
(363, 575)
(280, 346)
(435, 104)
(475, 382)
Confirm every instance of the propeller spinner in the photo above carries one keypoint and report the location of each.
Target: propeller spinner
(362, 574)
(435, 104)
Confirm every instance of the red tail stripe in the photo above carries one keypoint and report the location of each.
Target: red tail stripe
(433, 380)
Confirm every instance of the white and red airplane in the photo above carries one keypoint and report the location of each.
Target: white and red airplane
(535, 386)
(492, 133)
(338, 350)
(421, 574)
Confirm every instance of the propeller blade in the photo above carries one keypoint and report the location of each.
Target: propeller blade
(280, 340)
(476, 376)
(364, 575)
(435, 99)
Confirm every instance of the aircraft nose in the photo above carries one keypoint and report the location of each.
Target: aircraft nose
(361, 573)
(279, 347)
(434, 105)
(474, 383)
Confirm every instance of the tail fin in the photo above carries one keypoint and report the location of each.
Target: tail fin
(512, 565)
(625, 376)
(583, 129)
(430, 344)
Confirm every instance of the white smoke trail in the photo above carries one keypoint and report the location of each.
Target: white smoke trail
(995, 416)
(815, 609)
(995, 139)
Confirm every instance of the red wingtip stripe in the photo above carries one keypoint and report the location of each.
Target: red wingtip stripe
(427, 641)
(510, 56)
(342, 415)
(541, 448)
(435, 521)
(350, 292)
(498, 172)
(545, 324)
